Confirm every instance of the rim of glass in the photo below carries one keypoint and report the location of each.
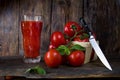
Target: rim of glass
(28, 17)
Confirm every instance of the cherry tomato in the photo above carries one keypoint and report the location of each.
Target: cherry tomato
(57, 38)
(76, 58)
(52, 58)
(68, 29)
(81, 40)
(77, 38)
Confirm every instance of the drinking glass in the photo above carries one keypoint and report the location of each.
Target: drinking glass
(31, 27)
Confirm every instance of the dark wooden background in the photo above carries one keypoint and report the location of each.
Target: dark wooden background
(102, 15)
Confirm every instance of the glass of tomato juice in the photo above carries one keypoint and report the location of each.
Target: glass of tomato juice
(31, 27)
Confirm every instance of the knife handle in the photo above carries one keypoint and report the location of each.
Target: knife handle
(86, 27)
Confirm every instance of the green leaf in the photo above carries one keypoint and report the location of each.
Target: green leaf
(77, 47)
(63, 50)
(36, 69)
(40, 70)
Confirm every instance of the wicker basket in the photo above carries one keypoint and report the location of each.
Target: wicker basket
(88, 51)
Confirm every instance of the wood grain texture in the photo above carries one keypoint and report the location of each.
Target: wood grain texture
(104, 17)
(58, 15)
(64, 11)
(14, 66)
(9, 13)
(75, 10)
(46, 31)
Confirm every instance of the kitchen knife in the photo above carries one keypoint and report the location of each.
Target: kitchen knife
(95, 45)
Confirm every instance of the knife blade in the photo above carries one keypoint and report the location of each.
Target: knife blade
(95, 46)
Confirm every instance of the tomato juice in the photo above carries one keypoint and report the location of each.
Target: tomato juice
(31, 31)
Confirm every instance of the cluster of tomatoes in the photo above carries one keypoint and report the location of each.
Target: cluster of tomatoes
(60, 49)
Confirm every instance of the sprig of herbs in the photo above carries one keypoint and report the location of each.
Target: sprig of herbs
(36, 70)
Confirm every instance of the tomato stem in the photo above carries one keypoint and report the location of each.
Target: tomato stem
(73, 37)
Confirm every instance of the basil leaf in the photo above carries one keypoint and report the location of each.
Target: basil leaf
(63, 50)
(77, 47)
(41, 71)
(36, 69)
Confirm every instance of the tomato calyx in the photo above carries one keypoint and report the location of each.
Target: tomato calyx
(73, 27)
(84, 36)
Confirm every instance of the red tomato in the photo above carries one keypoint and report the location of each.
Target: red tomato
(81, 40)
(69, 31)
(76, 58)
(77, 38)
(57, 38)
(52, 58)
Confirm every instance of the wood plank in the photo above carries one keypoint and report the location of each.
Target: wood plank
(75, 10)
(38, 7)
(9, 15)
(59, 8)
(14, 66)
(47, 25)
(104, 17)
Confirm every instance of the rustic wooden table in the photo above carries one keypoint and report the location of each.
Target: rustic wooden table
(14, 66)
